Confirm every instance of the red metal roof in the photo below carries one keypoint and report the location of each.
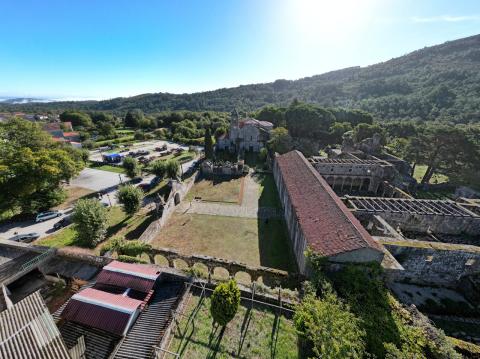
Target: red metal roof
(96, 316)
(327, 224)
(125, 280)
(113, 301)
(139, 270)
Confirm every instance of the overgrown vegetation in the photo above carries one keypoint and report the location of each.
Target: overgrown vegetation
(224, 302)
(90, 221)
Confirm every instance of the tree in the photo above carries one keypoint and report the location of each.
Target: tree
(90, 220)
(173, 166)
(445, 149)
(337, 130)
(131, 166)
(280, 140)
(224, 302)
(159, 168)
(133, 118)
(333, 331)
(208, 144)
(130, 197)
(364, 130)
(32, 167)
(308, 121)
(273, 114)
(78, 119)
(106, 129)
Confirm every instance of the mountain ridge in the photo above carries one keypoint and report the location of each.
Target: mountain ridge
(436, 82)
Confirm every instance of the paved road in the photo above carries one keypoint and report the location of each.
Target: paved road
(98, 180)
(42, 228)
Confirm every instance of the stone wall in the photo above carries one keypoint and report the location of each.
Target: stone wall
(297, 239)
(444, 224)
(177, 194)
(433, 266)
(270, 276)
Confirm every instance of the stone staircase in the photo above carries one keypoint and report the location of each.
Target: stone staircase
(151, 324)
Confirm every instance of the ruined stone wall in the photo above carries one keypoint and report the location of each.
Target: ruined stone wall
(177, 194)
(429, 266)
(443, 224)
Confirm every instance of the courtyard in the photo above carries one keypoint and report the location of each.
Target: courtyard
(235, 219)
(256, 332)
(251, 241)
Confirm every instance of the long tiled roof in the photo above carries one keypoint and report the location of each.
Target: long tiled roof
(27, 330)
(108, 300)
(327, 224)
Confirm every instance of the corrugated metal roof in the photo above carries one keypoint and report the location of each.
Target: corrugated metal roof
(327, 224)
(125, 280)
(139, 270)
(96, 316)
(108, 300)
(27, 331)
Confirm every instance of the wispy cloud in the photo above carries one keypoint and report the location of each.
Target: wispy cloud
(445, 18)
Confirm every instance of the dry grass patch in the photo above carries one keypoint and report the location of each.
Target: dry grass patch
(227, 191)
(73, 194)
(245, 240)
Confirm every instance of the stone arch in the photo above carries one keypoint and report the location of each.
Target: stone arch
(243, 277)
(176, 198)
(160, 260)
(180, 263)
(201, 267)
(221, 273)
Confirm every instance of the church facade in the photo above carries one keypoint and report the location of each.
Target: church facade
(246, 134)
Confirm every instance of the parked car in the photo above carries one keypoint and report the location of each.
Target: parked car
(144, 186)
(143, 153)
(65, 221)
(44, 216)
(155, 181)
(25, 238)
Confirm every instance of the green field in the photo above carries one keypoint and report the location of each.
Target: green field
(118, 225)
(253, 333)
(227, 191)
(268, 191)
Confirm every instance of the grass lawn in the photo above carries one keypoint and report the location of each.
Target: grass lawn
(74, 194)
(245, 240)
(118, 225)
(256, 333)
(268, 191)
(117, 140)
(110, 168)
(227, 190)
(420, 172)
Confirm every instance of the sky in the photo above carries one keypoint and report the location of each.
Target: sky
(102, 49)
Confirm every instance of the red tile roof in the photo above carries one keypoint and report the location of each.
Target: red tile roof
(139, 270)
(125, 280)
(327, 224)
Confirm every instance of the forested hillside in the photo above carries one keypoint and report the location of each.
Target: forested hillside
(438, 82)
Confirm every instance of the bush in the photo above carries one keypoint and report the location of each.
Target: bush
(173, 167)
(224, 302)
(159, 168)
(130, 259)
(130, 197)
(329, 326)
(133, 248)
(131, 166)
(90, 220)
(139, 135)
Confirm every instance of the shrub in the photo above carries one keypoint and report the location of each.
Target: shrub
(329, 326)
(130, 259)
(130, 197)
(173, 167)
(224, 302)
(90, 219)
(133, 248)
(159, 168)
(132, 169)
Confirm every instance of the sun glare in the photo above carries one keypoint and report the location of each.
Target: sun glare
(336, 18)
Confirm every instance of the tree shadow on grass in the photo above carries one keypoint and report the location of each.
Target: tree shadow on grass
(214, 343)
(116, 227)
(244, 329)
(137, 232)
(274, 335)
